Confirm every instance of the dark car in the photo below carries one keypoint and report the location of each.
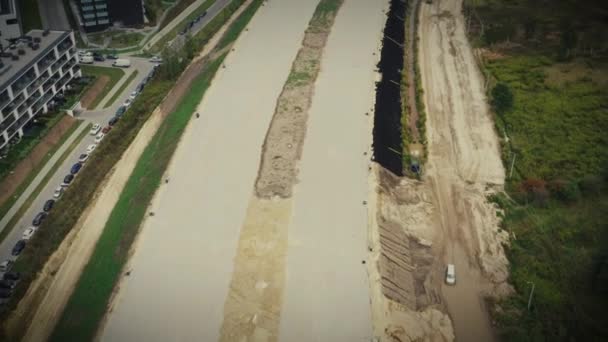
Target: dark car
(68, 179)
(121, 110)
(75, 168)
(5, 293)
(39, 218)
(98, 58)
(106, 129)
(111, 57)
(139, 88)
(48, 205)
(11, 276)
(19, 246)
(113, 121)
(8, 284)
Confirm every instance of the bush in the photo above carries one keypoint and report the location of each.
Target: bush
(502, 98)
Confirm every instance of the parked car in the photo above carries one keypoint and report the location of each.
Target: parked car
(113, 121)
(91, 148)
(95, 129)
(450, 275)
(127, 103)
(28, 233)
(83, 157)
(19, 246)
(106, 129)
(12, 276)
(133, 95)
(140, 87)
(48, 205)
(58, 192)
(87, 60)
(8, 284)
(82, 53)
(98, 58)
(111, 57)
(121, 110)
(67, 180)
(156, 59)
(99, 137)
(39, 218)
(76, 167)
(6, 266)
(5, 293)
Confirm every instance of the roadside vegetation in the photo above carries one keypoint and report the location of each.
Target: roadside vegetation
(88, 303)
(178, 8)
(547, 76)
(115, 74)
(117, 39)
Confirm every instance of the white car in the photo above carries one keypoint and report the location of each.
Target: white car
(99, 137)
(156, 59)
(58, 192)
(450, 275)
(127, 102)
(95, 129)
(91, 148)
(83, 158)
(28, 233)
(133, 95)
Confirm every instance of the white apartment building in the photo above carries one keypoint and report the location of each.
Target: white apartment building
(32, 72)
(9, 21)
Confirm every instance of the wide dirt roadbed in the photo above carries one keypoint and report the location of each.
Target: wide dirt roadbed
(464, 166)
(327, 291)
(181, 268)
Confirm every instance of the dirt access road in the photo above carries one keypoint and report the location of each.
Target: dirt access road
(463, 167)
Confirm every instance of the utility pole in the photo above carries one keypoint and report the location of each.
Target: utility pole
(531, 294)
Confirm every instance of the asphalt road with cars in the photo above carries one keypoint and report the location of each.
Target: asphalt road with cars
(102, 117)
(212, 11)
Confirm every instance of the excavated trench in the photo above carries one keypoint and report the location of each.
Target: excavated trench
(387, 143)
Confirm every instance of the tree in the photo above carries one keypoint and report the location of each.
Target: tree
(502, 98)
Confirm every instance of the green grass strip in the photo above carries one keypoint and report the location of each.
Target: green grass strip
(121, 89)
(88, 303)
(28, 202)
(115, 75)
(239, 24)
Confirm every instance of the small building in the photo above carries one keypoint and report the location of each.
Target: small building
(9, 20)
(32, 71)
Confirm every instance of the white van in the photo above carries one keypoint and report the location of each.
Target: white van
(122, 63)
(450, 275)
(86, 60)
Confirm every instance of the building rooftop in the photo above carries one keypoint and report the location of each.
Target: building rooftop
(10, 70)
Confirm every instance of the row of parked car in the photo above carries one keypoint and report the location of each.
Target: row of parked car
(189, 26)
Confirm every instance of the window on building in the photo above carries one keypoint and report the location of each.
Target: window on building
(90, 23)
(103, 21)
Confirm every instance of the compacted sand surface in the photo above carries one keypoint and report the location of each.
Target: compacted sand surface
(327, 291)
(181, 268)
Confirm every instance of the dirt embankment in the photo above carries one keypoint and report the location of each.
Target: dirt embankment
(32, 161)
(420, 226)
(283, 145)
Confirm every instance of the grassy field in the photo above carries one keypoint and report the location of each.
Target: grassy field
(118, 39)
(115, 75)
(30, 15)
(554, 65)
(122, 88)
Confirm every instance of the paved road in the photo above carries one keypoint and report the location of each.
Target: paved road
(102, 117)
(212, 11)
(53, 15)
